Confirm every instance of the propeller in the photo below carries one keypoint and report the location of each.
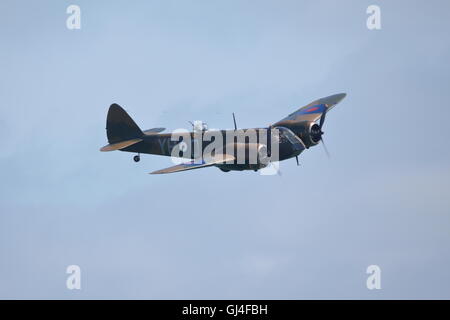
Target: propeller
(325, 147)
(322, 119)
(321, 122)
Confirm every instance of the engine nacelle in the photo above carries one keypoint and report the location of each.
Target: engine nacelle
(309, 132)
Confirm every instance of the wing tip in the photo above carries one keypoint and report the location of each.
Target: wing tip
(333, 99)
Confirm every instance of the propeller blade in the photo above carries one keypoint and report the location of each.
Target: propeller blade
(296, 158)
(322, 119)
(325, 148)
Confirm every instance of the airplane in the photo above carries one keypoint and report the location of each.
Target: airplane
(298, 131)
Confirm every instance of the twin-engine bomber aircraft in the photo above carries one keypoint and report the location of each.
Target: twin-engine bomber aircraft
(295, 133)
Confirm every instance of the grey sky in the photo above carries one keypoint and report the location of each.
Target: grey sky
(382, 199)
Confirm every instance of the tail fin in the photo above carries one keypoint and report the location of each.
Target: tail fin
(120, 126)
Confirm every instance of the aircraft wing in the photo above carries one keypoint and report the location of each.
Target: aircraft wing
(312, 111)
(197, 164)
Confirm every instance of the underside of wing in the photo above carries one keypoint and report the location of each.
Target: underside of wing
(312, 111)
(197, 164)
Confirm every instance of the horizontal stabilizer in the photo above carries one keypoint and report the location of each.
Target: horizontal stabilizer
(120, 145)
(153, 131)
(197, 164)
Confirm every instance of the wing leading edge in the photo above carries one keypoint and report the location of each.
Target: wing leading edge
(197, 164)
(312, 111)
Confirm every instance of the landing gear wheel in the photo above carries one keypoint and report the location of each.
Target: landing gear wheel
(136, 158)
